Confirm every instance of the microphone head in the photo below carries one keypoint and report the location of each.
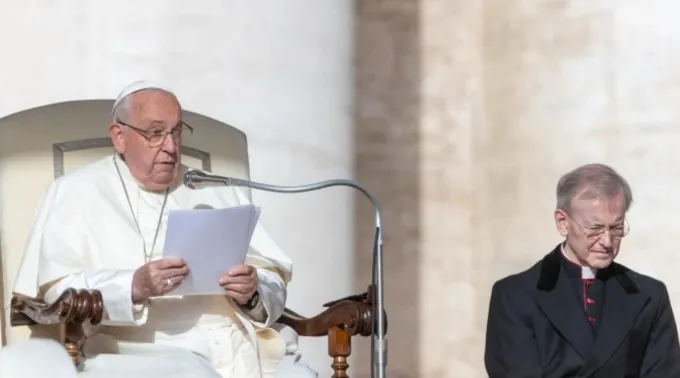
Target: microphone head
(192, 177)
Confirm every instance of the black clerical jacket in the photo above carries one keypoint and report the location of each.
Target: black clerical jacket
(540, 325)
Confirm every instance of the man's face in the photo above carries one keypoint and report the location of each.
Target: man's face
(593, 228)
(154, 164)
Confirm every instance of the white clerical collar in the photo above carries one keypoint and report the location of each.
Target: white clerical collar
(587, 273)
(128, 177)
(124, 169)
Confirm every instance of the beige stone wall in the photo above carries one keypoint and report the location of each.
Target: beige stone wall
(467, 114)
(388, 162)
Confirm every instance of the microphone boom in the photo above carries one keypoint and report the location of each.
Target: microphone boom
(378, 341)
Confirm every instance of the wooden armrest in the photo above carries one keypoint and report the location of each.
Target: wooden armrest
(343, 318)
(353, 316)
(72, 307)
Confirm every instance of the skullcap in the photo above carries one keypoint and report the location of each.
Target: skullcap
(137, 86)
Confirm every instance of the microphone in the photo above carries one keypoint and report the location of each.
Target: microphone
(378, 340)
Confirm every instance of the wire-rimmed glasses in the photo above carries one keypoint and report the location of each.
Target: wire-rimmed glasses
(156, 137)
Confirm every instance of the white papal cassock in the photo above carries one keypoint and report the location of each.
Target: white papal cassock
(36, 358)
(84, 232)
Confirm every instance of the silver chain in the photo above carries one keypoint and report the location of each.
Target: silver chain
(147, 256)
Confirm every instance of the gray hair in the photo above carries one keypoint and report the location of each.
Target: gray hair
(121, 112)
(592, 181)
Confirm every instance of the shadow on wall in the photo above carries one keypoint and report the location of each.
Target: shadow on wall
(387, 144)
(3, 321)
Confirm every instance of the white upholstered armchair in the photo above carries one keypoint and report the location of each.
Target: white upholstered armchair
(40, 144)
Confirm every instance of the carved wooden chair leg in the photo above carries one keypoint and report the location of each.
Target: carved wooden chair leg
(339, 347)
(73, 341)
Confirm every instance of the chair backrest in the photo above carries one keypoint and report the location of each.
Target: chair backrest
(40, 144)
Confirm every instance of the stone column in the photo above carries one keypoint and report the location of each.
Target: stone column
(420, 97)
(387, 137)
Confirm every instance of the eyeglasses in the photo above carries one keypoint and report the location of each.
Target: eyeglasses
(595, 232)
(156, 137)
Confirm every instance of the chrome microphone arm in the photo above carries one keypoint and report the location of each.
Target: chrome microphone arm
(378, 340)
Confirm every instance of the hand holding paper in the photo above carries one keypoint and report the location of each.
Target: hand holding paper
(240, 283)
(211, 242)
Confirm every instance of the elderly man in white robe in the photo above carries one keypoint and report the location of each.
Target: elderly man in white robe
(103, 227)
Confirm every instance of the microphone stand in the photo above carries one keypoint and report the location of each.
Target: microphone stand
(378, 341)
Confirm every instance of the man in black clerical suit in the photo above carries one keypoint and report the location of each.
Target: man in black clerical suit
(576, 313)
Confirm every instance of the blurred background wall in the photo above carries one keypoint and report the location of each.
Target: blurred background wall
(459, 115)
(467, 114)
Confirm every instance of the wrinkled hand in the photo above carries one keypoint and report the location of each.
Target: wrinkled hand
(152, 278)
(240, 283)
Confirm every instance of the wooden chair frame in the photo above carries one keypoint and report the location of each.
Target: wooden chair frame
(342, 319)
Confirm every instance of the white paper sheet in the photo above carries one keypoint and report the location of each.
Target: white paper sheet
(211, 241)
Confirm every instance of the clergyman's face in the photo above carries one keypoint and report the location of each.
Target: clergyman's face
(593, 229)
(156, 167)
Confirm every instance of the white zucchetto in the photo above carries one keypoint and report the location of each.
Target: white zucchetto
(137, 86)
